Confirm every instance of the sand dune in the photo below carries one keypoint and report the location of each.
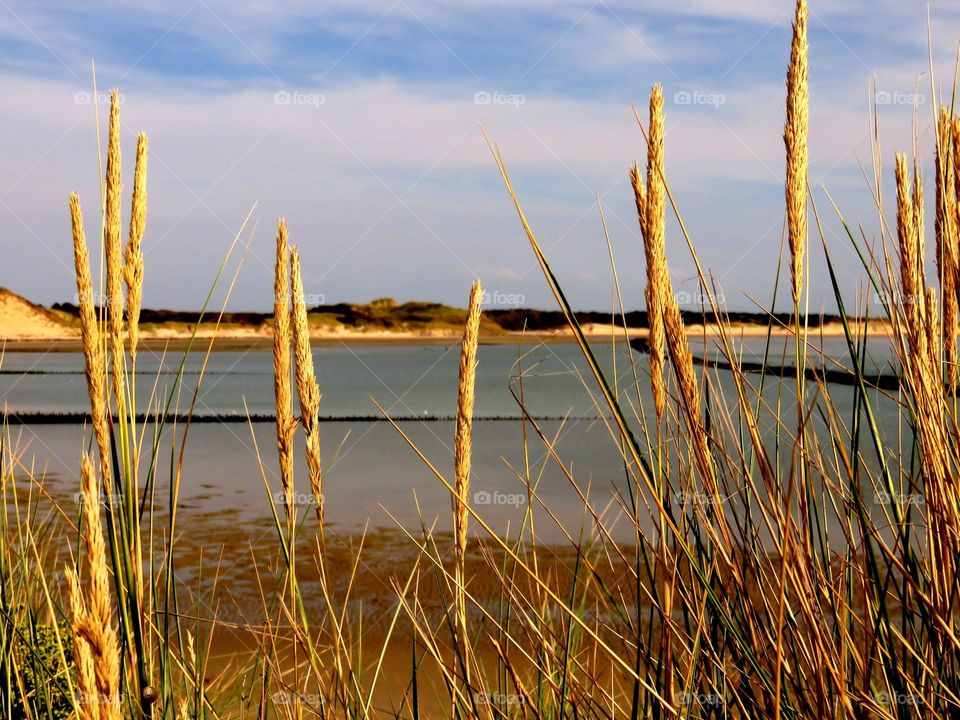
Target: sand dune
(21, 319)
(28, 326)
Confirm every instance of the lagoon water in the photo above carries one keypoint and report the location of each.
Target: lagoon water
(372, 477)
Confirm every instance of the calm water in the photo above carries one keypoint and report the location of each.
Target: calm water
(369, 467)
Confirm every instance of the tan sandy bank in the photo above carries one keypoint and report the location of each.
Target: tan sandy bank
(26, 326)
(225, 338)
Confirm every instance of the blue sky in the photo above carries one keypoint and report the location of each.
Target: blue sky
(360, 122)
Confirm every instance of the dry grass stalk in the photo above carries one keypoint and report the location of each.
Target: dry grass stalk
(663, 311)
(93, 351)
(82, 654)
(656, 191)
(911, 257)
(955, 160)
(945, 189)
(919, 353)
(654, 311)
(113, 248)
(922, 360)
(655, 246)
(95, 639)
(464, 424)
(795, 139)
(919, 217)
(462, 453)
(639, 195)
(933, 333)
(286, 425)
(948, 246)
(650, 201)
(103, 637)
(688, 384)
(307, 389)
(133, 254)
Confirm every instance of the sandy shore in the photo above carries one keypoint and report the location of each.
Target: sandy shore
(241, 339)
(28, 327)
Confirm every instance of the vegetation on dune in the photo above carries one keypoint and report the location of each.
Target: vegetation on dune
(790, 558)
(387, 314)
(381, 314)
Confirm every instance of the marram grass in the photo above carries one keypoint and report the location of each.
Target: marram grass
(785, 564)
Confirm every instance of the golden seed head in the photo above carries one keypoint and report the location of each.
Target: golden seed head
(94, 354)
(113, 248)
(464, 424)
(795, 139)
(133, 254)
(651, 213)
(308, 390)
(286, 425)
